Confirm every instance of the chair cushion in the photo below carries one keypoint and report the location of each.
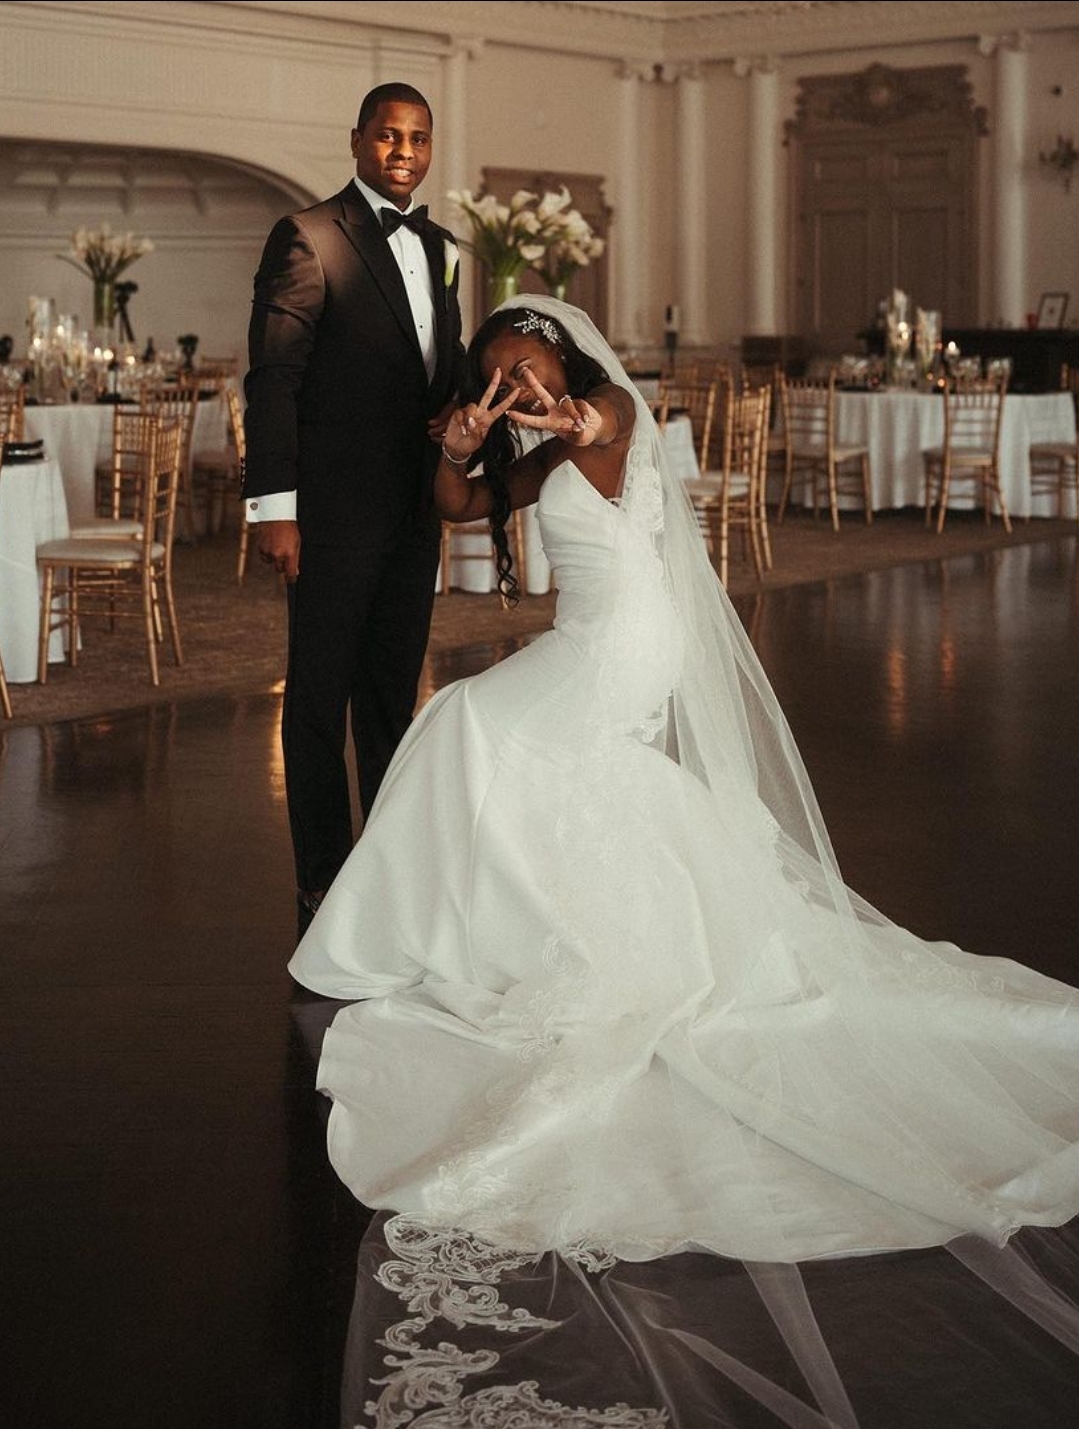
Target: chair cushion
(104, 527)
(850, 453)
(88, 551)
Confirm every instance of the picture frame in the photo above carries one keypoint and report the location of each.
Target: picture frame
(1051, 310)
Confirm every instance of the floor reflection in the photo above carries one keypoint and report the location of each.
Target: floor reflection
(178, 1250)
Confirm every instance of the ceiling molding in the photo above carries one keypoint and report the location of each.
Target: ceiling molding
(649, 30)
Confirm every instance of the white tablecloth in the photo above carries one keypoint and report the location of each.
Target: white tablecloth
(79, 435)
(898, 427)
(32, 510)
(478, 575)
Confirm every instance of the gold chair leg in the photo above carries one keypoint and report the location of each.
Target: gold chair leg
(766, 539)
(444, 559)
(45, 629)
(149, 620)
(519, 551)
(833, 495)
(942, 497)
(5, 697)
(241, 559)
(1005, 518)
(170, 616)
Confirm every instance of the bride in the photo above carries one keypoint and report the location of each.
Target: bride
(610, 996)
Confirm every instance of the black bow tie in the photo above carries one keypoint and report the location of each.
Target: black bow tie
(392, 219)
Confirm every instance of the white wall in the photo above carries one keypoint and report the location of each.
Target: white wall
(275, 93)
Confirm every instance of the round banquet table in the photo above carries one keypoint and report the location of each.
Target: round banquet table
(898, 427)
(79, 435)
(33, 509)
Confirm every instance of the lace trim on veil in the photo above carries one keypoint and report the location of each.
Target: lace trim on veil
(454, 1277)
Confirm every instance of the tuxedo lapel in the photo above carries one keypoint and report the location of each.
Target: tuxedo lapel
(363, 230)
(436, 259)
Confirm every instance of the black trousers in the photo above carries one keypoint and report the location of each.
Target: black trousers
(359, 622)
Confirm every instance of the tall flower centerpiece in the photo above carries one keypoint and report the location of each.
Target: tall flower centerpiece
(898, 334)
(103, 255)
(570, 240)
(506, 237)
(927, 344)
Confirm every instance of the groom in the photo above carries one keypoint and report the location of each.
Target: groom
(355, 357)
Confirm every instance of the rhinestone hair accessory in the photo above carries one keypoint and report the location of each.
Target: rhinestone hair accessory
(532, 322)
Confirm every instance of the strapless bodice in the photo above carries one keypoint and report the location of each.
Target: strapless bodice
(612, 598)
(578, 527)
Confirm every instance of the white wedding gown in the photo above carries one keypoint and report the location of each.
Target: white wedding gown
(599, 1010)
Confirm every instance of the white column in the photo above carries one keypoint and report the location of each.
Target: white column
(762, 212)
(627, 231)
(451, 147)
(1010, 299)
(691, 240)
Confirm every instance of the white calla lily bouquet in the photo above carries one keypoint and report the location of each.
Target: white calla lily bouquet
(103, 255)
(530, 231)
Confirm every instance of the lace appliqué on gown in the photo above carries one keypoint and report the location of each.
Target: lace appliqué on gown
(454, 1277)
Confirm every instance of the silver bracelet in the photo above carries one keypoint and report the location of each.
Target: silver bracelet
(455, 460)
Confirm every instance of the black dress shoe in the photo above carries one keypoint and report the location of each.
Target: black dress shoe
(307, 905)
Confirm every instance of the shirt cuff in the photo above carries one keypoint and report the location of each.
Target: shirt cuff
(277, 506)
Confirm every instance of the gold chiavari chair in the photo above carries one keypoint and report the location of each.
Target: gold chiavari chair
(215, 475)
(970, 451)
(769, 374)
(698, 401)
(89, 576)
(813, 453)
(1054, 466)
(730, 498)
(12, 410)
(449, 553)
(180, 400)
(239, 441)
(120, 482)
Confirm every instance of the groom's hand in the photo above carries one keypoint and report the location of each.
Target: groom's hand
(279, 546)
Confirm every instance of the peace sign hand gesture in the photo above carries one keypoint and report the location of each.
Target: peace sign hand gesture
(468, 427)
(575, 420)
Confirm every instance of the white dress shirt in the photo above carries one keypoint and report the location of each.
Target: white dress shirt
(408, 250)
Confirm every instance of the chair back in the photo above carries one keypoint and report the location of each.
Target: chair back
(180, 399)
(972, 413)
(160, 483)
(237, 435)
(756, 375)
(134, 434)
(808, 413)
(698, 400)
(745, 440)
(12, 409)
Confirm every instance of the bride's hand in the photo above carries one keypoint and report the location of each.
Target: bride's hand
(467, 428)
(572, 418)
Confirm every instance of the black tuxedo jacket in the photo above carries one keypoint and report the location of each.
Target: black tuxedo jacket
(337, 394)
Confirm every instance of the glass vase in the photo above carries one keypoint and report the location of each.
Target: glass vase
(104, 326)
(500, 287)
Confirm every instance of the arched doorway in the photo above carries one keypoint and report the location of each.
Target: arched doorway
(207, 217)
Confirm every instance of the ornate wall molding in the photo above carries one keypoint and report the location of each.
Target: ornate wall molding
(879, 97)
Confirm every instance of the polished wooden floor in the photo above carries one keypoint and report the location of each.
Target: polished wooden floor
(176, 1252)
